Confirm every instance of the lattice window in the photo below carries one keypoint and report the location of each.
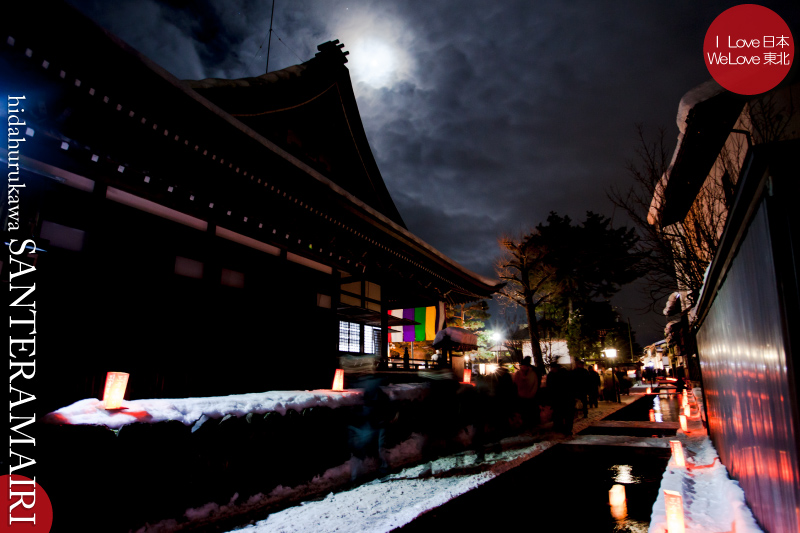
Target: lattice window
(349, 337)
(372, 340)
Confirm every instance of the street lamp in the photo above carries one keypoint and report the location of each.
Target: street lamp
(496, 337)
(610, 352)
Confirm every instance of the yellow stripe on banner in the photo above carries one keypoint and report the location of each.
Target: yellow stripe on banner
(430, 323)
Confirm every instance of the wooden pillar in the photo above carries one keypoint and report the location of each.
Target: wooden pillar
(384, 352)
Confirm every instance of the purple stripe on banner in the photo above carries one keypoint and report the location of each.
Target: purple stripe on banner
(408, 331)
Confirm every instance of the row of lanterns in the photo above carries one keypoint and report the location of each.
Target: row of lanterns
(117, 382)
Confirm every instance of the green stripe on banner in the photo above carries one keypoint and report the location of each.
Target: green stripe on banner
(419, 330)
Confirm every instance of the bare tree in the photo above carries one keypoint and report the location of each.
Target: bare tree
(675, 256)
(529, 282)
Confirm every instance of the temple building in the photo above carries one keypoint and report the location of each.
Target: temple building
(208, 237)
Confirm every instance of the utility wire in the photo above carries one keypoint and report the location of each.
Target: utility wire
(269, 42)
(246, 67)
(287, 47)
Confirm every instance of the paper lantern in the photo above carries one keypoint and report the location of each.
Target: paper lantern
(673, 502)
(684, 427)
(652, 415)
(114, 391)
(677, 453)
(338, 380)
(467, 375)
(482, 368)
(649, 390)
(686, 410)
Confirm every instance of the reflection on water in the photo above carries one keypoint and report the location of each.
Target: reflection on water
(667, 408)
(624, 474)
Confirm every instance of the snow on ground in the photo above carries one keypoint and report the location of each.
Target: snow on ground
(712, 501)
(189, 410)
(381, 506)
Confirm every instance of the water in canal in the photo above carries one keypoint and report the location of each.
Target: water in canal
(566, 488)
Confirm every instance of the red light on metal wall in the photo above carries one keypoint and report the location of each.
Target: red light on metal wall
(338, 380)
(114, 391)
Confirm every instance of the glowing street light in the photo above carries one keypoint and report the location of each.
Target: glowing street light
(610, 352)
(497, 337)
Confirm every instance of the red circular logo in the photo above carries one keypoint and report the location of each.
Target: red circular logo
(27, 506)
(748, 49)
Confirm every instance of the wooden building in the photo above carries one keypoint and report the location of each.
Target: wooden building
(209, 237)
(737, 163)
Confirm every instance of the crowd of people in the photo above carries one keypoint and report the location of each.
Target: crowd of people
(503, 402)
(562, 389)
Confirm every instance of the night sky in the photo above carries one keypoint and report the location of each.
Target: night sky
(483, 116)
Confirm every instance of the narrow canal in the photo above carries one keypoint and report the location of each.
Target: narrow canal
(566, 488)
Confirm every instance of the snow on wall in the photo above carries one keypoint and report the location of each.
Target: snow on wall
(712, 501)
(189, 410)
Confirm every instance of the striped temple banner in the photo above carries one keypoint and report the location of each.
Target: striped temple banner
(430, 319)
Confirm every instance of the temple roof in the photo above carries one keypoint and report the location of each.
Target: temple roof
(107, 116)
(310, 111)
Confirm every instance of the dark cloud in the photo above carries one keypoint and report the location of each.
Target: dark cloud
(492, 114)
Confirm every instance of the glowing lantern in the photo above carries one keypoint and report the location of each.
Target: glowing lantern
(684, 427)
(491, 368)
(677, 453)
(115, 389)
(686, 410)
(482, 368)
(616, 499)
(652, 415)
(467, 375)
(649, 390)
(673, 502)
(338, 380)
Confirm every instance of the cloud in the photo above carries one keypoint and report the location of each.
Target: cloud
(483, 116)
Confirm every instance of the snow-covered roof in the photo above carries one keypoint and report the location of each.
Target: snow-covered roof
(701, 93)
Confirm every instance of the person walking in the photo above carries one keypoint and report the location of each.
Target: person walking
(527, 381)
(583, 385)
(561, 391)
(610, 384)
(595, 384)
